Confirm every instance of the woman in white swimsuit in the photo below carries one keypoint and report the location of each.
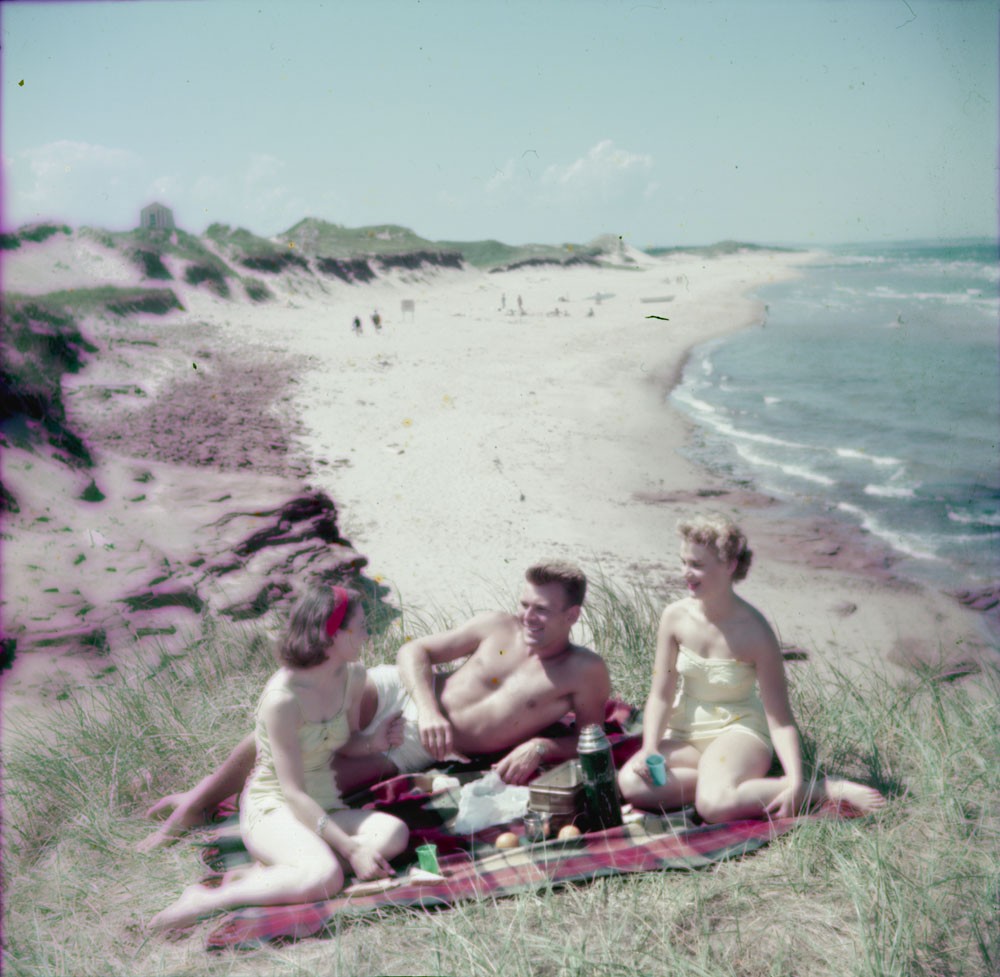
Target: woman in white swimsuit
(713, 728)
(292, 818)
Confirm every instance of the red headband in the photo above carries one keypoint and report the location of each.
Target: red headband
(334, 621)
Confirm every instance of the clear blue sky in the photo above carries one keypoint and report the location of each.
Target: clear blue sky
(666, 121)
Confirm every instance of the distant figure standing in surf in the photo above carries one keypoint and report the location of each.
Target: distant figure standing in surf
(357, 326)
(715, 732)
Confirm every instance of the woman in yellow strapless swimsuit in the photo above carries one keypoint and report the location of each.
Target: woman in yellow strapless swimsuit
(292, 817)
(713, 728)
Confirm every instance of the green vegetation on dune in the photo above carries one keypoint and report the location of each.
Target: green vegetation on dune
(32, 233)
(256, 290)
(318, 237)
(910, 892)
(40, 342)
(105, 299)
(718, 249)
(252, 252)
(146, 248)
(313, 245)
(496, 255)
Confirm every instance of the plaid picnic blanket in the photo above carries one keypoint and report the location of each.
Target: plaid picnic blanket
(472, 866)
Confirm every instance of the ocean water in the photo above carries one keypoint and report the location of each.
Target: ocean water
(871, 392)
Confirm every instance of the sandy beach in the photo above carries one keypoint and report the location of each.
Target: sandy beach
(459, 443)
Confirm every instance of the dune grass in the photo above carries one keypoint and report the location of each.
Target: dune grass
(913, 891)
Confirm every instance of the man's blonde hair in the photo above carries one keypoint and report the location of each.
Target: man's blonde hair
(571, 578)
(717, 530)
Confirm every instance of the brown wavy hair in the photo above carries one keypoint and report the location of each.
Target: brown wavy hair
(717, 530)
(571, 578)
(304, 642)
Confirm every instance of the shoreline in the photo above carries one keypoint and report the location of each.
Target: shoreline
(465, 441)
(815, 573)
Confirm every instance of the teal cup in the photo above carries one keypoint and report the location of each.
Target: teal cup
(427, 858)
(657, 767)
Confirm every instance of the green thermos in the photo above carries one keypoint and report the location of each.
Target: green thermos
(600, 787)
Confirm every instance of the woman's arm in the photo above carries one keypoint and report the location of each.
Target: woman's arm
(773, 686)
(662, 687)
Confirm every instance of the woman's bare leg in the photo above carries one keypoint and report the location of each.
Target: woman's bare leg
(682, 777)
(353, 773)
(298, 866)
(387, 834)
(732, 784)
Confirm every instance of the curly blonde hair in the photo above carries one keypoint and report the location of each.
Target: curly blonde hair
(717, 530)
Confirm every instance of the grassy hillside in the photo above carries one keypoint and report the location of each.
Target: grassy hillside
(718, 249)
(310, 242)
(41, 342)
(146, 248)
(318, 237)
(911, 892)
(31, 234)
(313, 236)
(102, 300)
(254, 253)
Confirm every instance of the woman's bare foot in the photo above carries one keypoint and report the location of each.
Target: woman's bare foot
(858, 796)
(195, 901)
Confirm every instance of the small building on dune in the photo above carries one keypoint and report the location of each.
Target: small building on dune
(156, 215)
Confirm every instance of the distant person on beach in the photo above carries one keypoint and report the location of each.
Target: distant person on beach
(357, 326)
(293, 819)
(377, 321)
(520, 305)
(521, 676)
(717, 735)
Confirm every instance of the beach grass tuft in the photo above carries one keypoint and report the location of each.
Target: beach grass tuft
(910, 892)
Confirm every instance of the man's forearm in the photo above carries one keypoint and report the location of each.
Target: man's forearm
(554, 749)
(417, 675)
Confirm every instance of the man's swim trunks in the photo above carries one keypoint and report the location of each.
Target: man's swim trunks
(410, 756)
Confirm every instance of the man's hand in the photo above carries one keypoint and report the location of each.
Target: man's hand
(387, 734)
(518, 766)
(436, 734)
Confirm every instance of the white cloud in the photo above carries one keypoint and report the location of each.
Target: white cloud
(604, 171)
(605, 188)
(254, 194)
(603, 167)
(262, 168)
(73, 180)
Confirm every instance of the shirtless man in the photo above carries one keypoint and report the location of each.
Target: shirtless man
(522, 674)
